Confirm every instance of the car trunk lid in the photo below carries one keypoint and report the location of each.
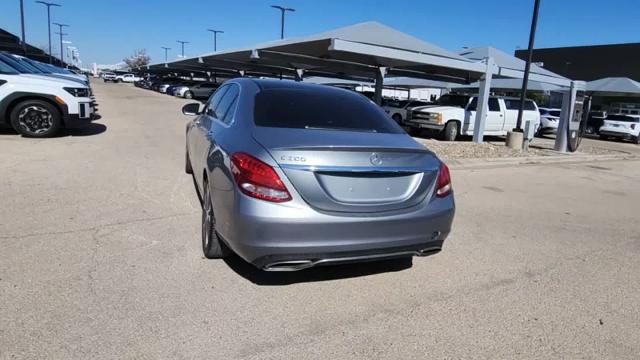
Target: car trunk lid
(349, 171)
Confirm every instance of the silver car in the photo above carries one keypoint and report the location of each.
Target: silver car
(294, 175)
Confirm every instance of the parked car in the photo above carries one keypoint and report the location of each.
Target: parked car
(397, 109)
(36, 67)
(549, 119)
(175, 88)
(109, 76)
(455, 115)
(595, 121)
(325, 177)
(39, 106)
(126, 78)
(198, 91)
(621, 126)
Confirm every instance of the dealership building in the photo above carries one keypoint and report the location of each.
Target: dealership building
(590, 62)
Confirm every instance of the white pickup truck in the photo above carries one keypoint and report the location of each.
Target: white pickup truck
(455, 115)
(127, 78)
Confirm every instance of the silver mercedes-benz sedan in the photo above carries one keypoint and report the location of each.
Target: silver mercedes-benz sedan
(294, 175)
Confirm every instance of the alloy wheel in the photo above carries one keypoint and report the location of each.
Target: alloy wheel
(35, 119)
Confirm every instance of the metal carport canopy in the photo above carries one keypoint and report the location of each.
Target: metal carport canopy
(508, 66)
(362, 50)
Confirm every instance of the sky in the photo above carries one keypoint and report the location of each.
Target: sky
(107, 31)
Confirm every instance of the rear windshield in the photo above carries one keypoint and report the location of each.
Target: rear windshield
(317, 109)
(453, 100)
(622, 118)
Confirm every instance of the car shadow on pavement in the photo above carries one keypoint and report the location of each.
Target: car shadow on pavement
(88, 130)
(321, 273)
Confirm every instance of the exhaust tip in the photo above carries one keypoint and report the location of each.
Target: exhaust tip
(428, 251)
(291, 265)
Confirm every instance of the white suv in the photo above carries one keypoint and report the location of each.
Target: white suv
(621, 126)
(39, 106)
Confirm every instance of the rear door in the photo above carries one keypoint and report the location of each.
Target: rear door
(343, 154)
(495, 114)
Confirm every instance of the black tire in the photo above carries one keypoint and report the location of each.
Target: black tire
(36, 118)
(212, 247)
(637, 140)
(397, 118)
(451, 131)
(414, 131)
(187, 163)
(603, 137)
(188, 95)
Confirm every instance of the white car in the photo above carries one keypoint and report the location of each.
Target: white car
(108, 76)
(39, 106)
(397, 109)
(456, 114)
(621, 126)
(129, 78)
(549, 119)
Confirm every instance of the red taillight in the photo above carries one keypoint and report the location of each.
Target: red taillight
(257, 179)
(444, 181)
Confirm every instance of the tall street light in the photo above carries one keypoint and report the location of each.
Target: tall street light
(165, 52)
(61, 34)
(49, 5)
(182, 43)
(282, 11)
(527, 67)
(215, 38)
(24, 42)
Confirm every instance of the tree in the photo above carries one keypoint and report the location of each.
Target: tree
(138, 59)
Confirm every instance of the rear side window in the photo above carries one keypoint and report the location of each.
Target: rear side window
(320, 109)
(494, 105)
(215, 100)
(224, 109)
(513, 104)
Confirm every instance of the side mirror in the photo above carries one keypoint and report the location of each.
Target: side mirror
(191, 109)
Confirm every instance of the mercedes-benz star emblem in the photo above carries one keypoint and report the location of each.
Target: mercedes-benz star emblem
(375, 159)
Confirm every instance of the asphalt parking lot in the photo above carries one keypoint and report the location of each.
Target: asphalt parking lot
(101, 259)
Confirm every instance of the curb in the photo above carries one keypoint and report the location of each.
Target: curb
(470, 164)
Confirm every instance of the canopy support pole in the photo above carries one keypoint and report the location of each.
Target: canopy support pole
(483, 102)
(380, 73)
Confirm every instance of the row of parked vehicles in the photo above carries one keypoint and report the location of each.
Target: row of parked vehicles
(454, 114)
(38, 99)
(175, 86)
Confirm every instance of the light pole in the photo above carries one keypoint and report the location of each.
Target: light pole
(182, 43)
(527, 67)
(24, 42)
(165, 52)
(61, 34)
(215, 38)
(49, 5)
(282, 11)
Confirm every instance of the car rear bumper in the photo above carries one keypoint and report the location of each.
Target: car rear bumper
(617, 134)
(266, 237)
